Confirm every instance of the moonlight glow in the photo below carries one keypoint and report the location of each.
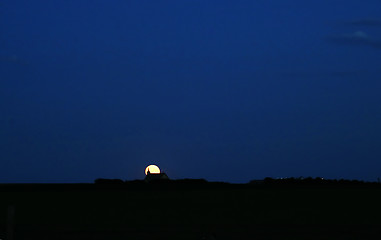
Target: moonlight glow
(152, 169)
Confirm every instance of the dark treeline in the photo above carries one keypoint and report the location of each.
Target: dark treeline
(200, 183)
(313, 181)
(162, 183)
(181, 184)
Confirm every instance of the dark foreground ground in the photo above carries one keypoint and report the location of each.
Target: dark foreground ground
(183, 211)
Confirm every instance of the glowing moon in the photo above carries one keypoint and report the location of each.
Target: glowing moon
(152, 169)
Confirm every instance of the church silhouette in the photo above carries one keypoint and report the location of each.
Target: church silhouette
(155, 176)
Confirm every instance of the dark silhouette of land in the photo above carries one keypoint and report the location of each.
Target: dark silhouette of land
(290, 208)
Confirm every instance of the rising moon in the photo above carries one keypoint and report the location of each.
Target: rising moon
(153, 169)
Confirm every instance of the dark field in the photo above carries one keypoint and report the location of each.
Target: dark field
(155, 211)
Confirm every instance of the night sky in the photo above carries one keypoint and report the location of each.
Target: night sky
(221, 90)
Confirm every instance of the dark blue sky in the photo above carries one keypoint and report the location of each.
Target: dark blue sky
(222, 90)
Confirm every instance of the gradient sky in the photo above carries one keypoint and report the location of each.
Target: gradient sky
(221, 90)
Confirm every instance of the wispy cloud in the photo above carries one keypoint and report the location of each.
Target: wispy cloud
(365, 22)
(356, 38)
(322, 74)
(12, 59)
